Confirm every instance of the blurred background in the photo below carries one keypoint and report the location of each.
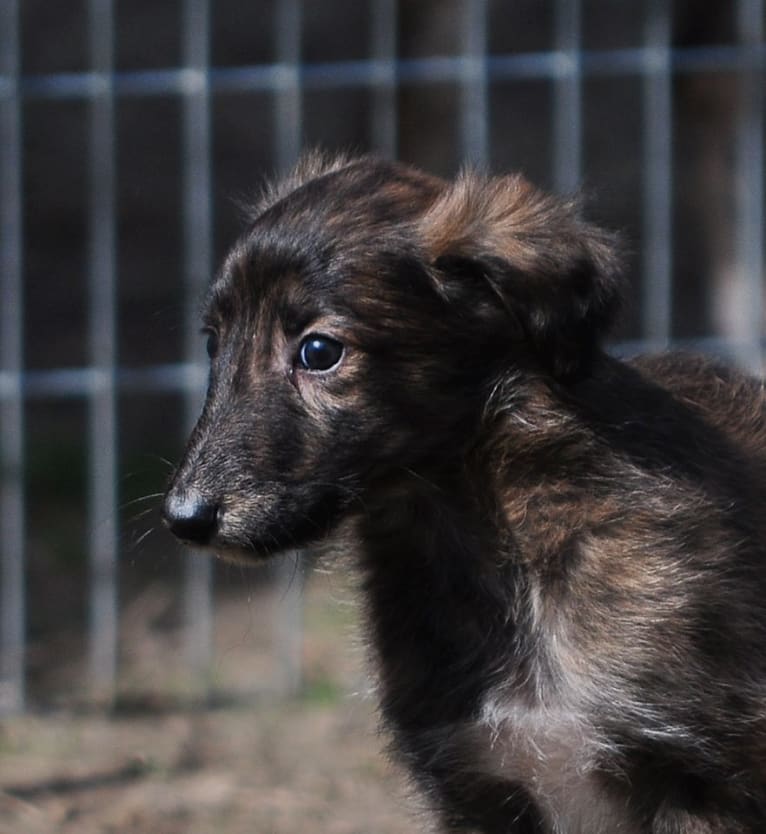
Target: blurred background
(143, 688)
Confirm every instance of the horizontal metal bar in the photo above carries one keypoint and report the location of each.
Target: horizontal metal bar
(363, 73)
(713, 346)
(69, 383)
(183, 377)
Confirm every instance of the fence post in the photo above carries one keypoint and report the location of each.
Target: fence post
(102, 431)
(567, 156)
(749, 181)
(12, 509)
(474, 102)
(658, 172)
(384, 105)
(198, 264)
(288, 136)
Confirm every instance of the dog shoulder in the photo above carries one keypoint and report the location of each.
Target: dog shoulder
(726, 398)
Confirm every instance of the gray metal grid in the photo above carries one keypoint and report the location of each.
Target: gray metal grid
(473, 69)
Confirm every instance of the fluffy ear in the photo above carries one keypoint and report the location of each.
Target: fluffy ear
(556, 275)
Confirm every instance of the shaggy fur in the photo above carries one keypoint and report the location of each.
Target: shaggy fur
(563, 554)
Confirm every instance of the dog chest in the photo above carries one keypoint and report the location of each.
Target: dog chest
(552, 753)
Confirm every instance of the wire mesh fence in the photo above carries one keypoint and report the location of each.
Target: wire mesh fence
(628, 102)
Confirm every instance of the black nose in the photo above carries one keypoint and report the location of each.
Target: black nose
(190, 517)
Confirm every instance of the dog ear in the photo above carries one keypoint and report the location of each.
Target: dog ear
(555, 275)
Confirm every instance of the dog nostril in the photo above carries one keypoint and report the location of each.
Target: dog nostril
(191, 518)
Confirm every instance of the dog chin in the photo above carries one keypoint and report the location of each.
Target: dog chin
(246, 556)
(256, 553)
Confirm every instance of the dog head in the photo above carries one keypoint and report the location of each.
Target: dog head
(355, 332)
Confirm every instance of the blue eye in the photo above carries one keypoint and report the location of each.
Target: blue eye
(319, 353)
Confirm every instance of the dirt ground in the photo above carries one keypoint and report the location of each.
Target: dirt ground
(262, 764)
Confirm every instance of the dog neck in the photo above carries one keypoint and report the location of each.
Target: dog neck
(438, 597)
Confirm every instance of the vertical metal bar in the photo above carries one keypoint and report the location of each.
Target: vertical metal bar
(474, 93)
(198, 262)
(288, 137)
(657, 217)
(12, 509)
(288, 133)
(750, 186)
(103, 354)
(384, 111)
(567, 159)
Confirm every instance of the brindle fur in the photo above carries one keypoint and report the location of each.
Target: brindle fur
(563, 554)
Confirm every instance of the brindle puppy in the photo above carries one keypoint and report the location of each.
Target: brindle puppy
(564, 555)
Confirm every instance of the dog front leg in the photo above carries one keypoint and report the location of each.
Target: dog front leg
(487, 807)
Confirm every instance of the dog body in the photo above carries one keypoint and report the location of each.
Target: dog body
(562, 554)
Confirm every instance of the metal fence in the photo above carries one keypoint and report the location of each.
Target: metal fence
(472, 69)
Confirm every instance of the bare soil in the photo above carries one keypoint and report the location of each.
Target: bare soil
(261, 763)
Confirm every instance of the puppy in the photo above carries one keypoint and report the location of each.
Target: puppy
(563, 555)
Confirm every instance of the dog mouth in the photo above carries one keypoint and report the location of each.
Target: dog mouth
(246, 533)
(205, 524)
(236, 552)
(243, 557)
